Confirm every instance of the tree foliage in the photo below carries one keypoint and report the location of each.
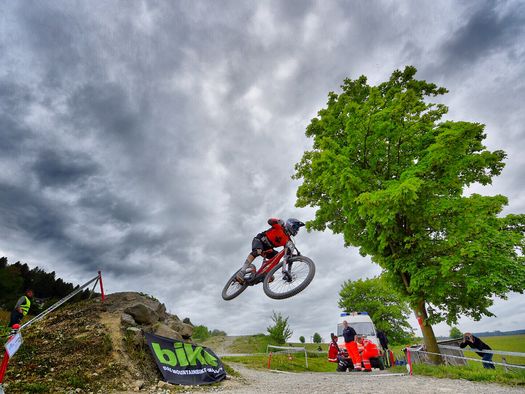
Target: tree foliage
(317, 338)
(301, 339)
(455, 333)
(280, 332)
(202, 332)
(386, 308)
(392, 178)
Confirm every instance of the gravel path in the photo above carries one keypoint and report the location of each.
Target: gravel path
(376, 382)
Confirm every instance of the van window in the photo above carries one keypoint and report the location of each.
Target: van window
(360, 328)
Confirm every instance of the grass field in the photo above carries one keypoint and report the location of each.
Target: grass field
(281, 362)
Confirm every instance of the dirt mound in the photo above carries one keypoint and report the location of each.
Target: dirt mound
(94, 347)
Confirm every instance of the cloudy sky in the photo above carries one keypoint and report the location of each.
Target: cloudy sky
(153, 139)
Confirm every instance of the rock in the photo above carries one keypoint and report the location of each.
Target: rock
(142, 314)
(138, 385)
(185, 330)
(164, 331)
(163, 384)
(187, 321)
(161, 311)
(127, 320)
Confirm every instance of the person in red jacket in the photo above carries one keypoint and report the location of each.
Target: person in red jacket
(333, 350)
(368, 350)
(265, 242)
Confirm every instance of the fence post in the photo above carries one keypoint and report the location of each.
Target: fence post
(3, 367)
(101, 286)
(5, 360)
(409, 361)
(504, 362)
(269, 359)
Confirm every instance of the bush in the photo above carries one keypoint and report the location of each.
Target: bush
(280, 332)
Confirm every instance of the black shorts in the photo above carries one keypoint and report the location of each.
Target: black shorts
(260, 242)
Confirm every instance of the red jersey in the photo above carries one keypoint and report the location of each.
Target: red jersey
(333, 352)
(276, 235)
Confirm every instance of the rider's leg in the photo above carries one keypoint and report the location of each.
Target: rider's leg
(257, 248)
(246, 267)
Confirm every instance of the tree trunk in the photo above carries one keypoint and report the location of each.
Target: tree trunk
(428, 332)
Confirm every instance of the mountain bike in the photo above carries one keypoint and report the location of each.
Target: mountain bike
(283, 275)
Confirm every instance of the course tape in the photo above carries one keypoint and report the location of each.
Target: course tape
(469, 358)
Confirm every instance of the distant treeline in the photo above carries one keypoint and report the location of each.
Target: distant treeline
(499, 333)
(16, 278)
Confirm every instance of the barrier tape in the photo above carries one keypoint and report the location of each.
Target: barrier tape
(468, 358)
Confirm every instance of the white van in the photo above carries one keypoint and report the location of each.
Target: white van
(361, 323)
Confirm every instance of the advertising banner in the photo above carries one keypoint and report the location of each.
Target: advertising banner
(185, 363)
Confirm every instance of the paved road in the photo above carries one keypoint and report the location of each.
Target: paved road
(256, 381)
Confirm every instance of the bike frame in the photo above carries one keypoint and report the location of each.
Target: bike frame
(268, 264)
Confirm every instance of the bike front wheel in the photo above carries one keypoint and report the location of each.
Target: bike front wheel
(233, 288)
(300, 272)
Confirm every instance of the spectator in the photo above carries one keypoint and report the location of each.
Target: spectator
(383, 340)
(21, 308)
(333, 350)
(350, 337)
(476, 343)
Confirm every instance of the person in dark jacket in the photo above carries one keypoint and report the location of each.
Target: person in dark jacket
(383, 340)
(350, 337)
(476, 343)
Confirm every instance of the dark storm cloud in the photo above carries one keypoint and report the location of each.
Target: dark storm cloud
(488, 27)
(14, 99)
(23, 211)
(61, 168)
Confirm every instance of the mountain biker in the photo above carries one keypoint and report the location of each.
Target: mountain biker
(265, 242)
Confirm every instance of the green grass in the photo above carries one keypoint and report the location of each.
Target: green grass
(473, 373)
(251, 344)
(282, 363)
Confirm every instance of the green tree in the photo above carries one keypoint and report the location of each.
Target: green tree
(201, 332)
(317, 338)
(455, 333)
(389, 176)
(386, 308)
(301, 339)
(280, 332)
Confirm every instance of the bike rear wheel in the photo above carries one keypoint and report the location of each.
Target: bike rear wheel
(233, 288)
(301, 270)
